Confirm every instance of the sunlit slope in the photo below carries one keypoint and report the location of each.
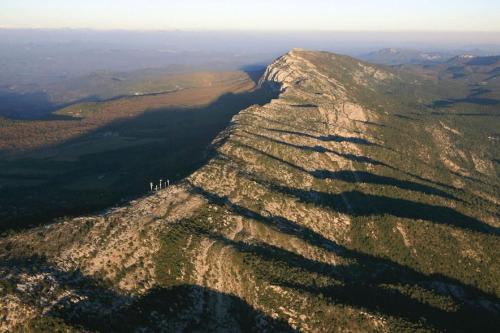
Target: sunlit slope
(344, 205)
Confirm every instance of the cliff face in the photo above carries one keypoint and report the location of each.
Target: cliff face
(294, 70)
(314, 214)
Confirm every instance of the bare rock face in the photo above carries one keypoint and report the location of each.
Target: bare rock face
(295, 69)
(285, 71)
(313, 215)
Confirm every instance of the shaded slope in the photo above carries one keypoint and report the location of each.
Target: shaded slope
(322, 209)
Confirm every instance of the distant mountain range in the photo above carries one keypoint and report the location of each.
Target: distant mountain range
(393, 56)
(398, 56)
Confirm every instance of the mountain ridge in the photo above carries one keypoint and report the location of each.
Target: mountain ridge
(304, 212)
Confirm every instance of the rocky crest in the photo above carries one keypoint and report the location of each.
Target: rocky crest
(302, 220)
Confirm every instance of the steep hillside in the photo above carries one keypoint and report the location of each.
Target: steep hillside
(346, 204)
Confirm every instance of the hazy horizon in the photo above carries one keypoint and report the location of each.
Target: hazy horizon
(51, 42)
(372, 39)
(362, 15)
(45, 55)
(249, 166)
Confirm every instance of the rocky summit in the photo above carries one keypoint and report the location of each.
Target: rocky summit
(350, 202)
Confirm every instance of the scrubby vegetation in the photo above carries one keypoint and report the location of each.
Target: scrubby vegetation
(351, 209)
(352, 202)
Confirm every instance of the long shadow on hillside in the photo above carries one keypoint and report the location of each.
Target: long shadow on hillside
(366, 177)
(470, 100)
(347, 156)
(473, 98)
(34, 105)
(168, 143)
(357, 158)
(367, 293)
(462, 114)
(326, 138)
(363, 284)
(362, 204)
(93, 306)
(255, 71)
(363, 177)
(368, 160)
(316, 149)
(367, 204)
(366, 122)
(281, 123)
(321, 149)
(180, 306)
(24, 105)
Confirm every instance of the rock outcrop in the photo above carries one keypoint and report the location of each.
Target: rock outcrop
(306, 219)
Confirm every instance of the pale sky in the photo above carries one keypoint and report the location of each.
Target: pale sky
(304, 15)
